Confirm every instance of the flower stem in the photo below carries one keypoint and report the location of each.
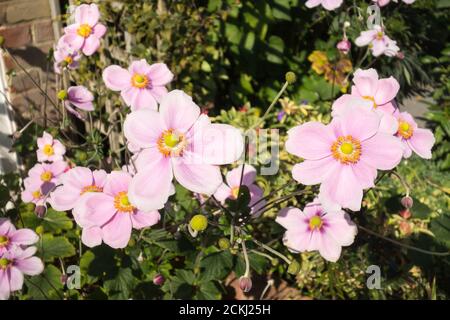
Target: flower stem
(247, 262)
(275, 252)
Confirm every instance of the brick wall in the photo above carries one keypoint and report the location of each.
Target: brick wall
(29, 28)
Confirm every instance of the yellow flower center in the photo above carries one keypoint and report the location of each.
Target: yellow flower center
(346, 149)
(371, 99)
(235, 192)
(84, 30)
(4, 263)
(122, 203)
(68, 59)
(91, 189)
(405, 130)
(46, 176)
(380, 35)
(315, 223)
(36, 194)
(139, 81)
(48, 150)
(3, 241)
(171, 143)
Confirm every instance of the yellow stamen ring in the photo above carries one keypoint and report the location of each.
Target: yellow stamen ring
(405, 130)
(171, 143)
(122, 203)
(84, 30)
(346, 149)
(139, 81)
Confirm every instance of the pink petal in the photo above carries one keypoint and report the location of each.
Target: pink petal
(116, 182)
(310, 172)
(150, 187)
(340, 104)
(365, 174)
(421, 142)
(5, 288)
(30, 266)
(159, 74)
(15, 278)
(222, 193)
(365, 38)
(331, 4)
(143, 99)
(81, 97)
(201, 178)
(75, 41)
(360, 123)
(312, 140)
(313, 3)
(142, 219)
(117, 232)
(178, 111)
(70, 29)
(291, 218)
(382, 151)
(6, 226)
(91, 45)
(87, 14)
(24, 237)
(343, 187)
(143, 128)
(62, 200)
(340, 227)
(329, 249)
(158, 92)
(298, 240)
(388, 123)
(233, 177)
(92, 236)
(99, 30)
(387, 90)
(116, 78)
(140, 67)
(100, 208)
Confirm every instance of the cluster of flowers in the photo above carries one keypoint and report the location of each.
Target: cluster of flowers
(16, 257)
(367, 133)
(334, 4)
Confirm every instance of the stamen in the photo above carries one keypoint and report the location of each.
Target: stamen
(139, 81)
(172, 143)
(84, 30)
(346, 149)
(36, 194)
(405, 130)
(46, 176)
(48, 150)
(370, 98)
(4, 240)
(315, 223)
(4, 263)
(122, 203)
(91, 189)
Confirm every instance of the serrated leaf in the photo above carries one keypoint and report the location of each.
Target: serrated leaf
(216, 265)
(47, 285)
(52, 247)
(121, 285)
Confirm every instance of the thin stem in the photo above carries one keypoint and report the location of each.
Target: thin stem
(275, 252)
(268, 285)
(443, 254)
(247, 262)
(271, 106)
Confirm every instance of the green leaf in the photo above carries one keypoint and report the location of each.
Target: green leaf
(216, 265)
(274, 53)
(420, 210)
(54, 221)
(121, 285)
(441, 229)
(208, 291)
(55, 247)
(47, 285)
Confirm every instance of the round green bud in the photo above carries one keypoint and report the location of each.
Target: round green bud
(198, 222)
(40, 230)
(82, 155)
(291, 77)
(275, 262)
(62, 95)
(294, 267)
(30, 206)
(131, 243)
(224, 243)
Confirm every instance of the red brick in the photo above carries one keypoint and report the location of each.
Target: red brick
(29, 57)
(22, 82)
(29, 10)
(16, 36)
(43, 31)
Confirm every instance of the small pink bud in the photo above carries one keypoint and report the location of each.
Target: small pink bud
(63, 278)
(400, 55)
(158, 280)
(344, 46)
(40, 211)
(407, 202)
(245, 283)
(406, 214)
(405, 228)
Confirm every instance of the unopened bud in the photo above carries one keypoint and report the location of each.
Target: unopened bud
(405, 228)
(40, 230)
(224, 243)
(347, 24)
(407, 202)
(275, 262)
(294, 267)
(62, 95)
(198, 222)
(406, 214)
(400, 55)
(344, 46)
(290, 77)
(63, 279)
(40, 211)
(158, 280)
(245, 283)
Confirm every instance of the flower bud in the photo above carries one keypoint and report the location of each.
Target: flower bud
(400, 55)
(158, 280)
(405, 228)
(62, 95)
(198, 222)
(344, 46)
(63, 279)
(40, 230)
(407, 202)
(406, 214)
(290, 77)
(294, 267)
(275, 262)
(245, 283)
(40, 211)
(224, 243)
(347, 24)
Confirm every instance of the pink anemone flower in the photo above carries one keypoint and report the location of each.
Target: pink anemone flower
(383, 3)
(142, 85)
(314, 229)
(86, 32)
(378, 42)
(343, 156)
(65, 57)
(415, 139)
(327, 4)
(178, 142)
(13, 265)
(109, 215)
(49, 149)
(379, 92)
(48, 172)
(79, 97)
(11, 238)
(75, 183)
(33, 191)
(230, 189)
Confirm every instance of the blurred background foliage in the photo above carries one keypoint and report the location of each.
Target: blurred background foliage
(231, 56)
